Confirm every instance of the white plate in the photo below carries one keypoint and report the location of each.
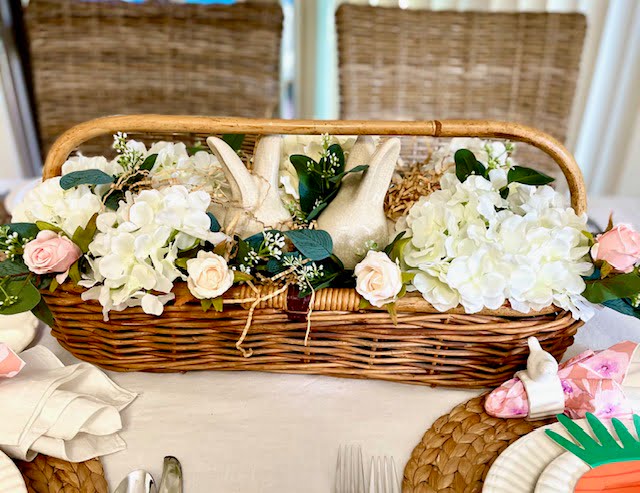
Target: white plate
(530, 459)
(562, 475)
(10, 478)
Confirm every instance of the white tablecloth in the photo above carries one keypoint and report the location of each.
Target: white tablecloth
(259, 432)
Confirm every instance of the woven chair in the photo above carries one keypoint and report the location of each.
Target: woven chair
(96, 58)
(416, 65)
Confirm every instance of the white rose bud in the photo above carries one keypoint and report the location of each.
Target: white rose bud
(378, 279)
(209, 275)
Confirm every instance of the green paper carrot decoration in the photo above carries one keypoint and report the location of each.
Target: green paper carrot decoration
(615, 464)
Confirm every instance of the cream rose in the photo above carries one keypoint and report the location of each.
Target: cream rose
(209, 275)
(51, 253)
(378, 279)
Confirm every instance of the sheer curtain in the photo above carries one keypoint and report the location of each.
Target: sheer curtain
(604, 126)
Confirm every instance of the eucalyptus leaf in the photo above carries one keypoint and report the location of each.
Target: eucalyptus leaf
(215, 225)
(85, 177)
(234, 140)
(611, 288)
(314, 244)
(149, 162)
(42, 312)
(13, 268)
(624, 306)
(528, 176)
(389, 248)
(467, 165)
(28, 297)
(24, 230)
(316, 211)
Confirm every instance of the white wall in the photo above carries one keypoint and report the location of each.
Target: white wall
(10, 166)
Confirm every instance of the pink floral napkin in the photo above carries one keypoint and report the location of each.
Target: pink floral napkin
(10, 362)
(592, 382)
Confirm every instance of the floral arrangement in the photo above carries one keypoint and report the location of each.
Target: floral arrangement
(492, 234)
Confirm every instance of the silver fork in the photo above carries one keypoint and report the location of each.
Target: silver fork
(383, 477)
(349, 470)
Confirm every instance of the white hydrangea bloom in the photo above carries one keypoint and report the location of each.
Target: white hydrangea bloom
(83, 163)
(135, 249)
(469, 246)
(65, 209)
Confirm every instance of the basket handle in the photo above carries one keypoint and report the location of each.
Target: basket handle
(72, 138)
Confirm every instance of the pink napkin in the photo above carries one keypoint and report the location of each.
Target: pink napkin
(592, 382)
(10, 363)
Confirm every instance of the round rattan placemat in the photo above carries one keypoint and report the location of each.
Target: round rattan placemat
(48, 475)
(455, 454)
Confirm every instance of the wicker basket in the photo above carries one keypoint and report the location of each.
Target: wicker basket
(425, 347)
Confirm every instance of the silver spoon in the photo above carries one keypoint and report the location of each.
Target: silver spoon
(171, 481)
(137, 482)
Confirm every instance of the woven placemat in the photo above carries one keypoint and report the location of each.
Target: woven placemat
(455, 454)
(48, 475)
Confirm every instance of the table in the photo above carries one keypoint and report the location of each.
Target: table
(259, 432)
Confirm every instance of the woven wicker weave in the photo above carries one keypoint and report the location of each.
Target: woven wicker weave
(413, 64)
(91, 59)
(455, 454)
(425, 347)
(48, 475)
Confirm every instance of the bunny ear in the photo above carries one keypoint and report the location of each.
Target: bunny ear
(243, 188)
(361, 152)
(377, 179)
(266, 161)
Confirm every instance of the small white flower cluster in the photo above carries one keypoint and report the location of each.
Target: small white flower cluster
(10, 243)
(467, 245)
(313, 146)
(136, 247)
(305, 272)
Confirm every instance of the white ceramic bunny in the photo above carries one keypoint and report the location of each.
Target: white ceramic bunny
(255, 203)
(356, 216)
(541, 382)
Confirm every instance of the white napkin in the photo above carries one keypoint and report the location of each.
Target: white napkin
(69, 412)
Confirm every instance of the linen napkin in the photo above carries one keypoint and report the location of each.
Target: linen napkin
(69, 412)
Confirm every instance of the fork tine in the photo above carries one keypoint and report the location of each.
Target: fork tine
(338, 481)
(394, 475)
(359, 471)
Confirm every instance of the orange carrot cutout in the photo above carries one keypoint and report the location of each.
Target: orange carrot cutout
(615, 477)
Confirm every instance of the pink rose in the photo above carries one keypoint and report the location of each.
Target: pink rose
(619, 246)
(50, 252)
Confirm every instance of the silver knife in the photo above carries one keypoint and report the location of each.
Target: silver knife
(171, 481)
(137, 482)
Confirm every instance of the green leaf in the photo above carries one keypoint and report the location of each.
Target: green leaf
(314, 244)
(24, 230)
(74, 272)
(215, 225)
(182, 262)
(53, 285)
(234, 140)
(85, 177)
(364, 304)
(83, 236)
(407, 277)
(42, 312)
(149, 162)
(606, 269)
(43, 226)
(467, 164)
(28, 297)
(308, 188)
(528, 176)
(338, 178)
(239, 276)
(217, 304)
(611, 288)
(113, 200)
(389, 248)
(206, 304)
(609, 223)
(504, 192)
(13, 268)
(624, 306)
(317, 210)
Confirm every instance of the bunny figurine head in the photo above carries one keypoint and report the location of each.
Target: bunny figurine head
(356, 216)
(255, 204)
